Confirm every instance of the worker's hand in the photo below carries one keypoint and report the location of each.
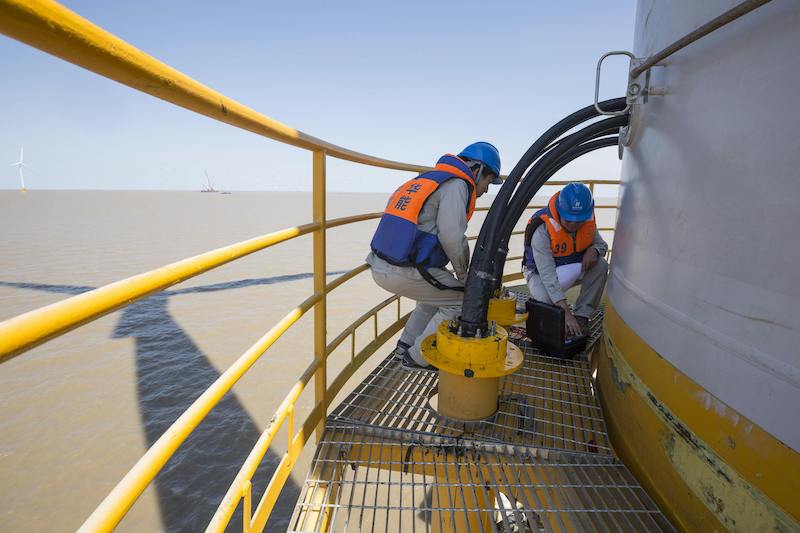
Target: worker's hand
(571, 326)
(589, 259)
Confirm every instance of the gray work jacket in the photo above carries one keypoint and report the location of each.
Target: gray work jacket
(546, 264)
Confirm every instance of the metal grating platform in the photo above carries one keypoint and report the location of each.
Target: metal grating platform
(361, 482)
(389, 462)
(548, 403)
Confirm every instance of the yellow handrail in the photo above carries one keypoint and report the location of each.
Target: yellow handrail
(127, 491)
(55, 29)
(119, 500)
(23, 332)
(52, 28)
(231, 499)
(273, 490)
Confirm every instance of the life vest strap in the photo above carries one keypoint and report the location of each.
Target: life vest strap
(435, 282)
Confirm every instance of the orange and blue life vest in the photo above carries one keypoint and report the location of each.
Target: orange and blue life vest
(398, 240)
(567, 248)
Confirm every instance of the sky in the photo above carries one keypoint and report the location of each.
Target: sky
(407, 81)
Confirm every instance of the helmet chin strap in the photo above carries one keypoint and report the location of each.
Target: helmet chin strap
(477, 171)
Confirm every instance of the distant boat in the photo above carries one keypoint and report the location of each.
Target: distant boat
(208, 187)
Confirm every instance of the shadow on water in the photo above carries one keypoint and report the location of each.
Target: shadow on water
(171, 373)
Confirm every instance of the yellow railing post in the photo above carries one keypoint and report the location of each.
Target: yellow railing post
(320, 311)
(247, 513)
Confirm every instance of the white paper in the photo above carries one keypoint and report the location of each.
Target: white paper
(568, 275)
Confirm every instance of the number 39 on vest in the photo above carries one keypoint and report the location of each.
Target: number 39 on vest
(566, 249)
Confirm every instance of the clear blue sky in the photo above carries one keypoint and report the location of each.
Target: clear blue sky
(407, 81)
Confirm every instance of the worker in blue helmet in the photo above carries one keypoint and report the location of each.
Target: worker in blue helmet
(487, 156)
(421, 231)
(563, 246)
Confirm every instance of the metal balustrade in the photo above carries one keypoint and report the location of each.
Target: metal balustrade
(50, 27)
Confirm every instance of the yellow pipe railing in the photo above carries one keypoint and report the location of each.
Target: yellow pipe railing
(25, 331)
(290, 457)
(127, 491)
(231, 499)
(51, 27)
(320, 307)
(119, 500)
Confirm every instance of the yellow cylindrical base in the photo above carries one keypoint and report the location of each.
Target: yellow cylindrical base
(503, 310)
(466, 398)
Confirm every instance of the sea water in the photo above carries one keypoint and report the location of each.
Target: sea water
(77, 412)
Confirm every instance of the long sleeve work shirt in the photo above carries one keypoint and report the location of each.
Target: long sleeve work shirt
(445, 215)
(546, 264)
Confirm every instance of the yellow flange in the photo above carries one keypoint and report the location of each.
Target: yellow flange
(503, 310)
(486, 357)
(470, 370)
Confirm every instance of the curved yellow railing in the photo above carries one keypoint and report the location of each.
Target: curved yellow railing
(52, 28)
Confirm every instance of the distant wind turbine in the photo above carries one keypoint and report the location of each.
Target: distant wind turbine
(208, 187)
(19, 164)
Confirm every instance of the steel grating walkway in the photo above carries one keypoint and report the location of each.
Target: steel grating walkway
(389, 462)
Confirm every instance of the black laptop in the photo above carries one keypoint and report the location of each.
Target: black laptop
(545, 328)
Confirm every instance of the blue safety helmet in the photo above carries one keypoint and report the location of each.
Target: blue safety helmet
(575, 203)
(487, 154)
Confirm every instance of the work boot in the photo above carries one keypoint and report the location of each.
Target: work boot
(583, 322)
(409, 364)
(400, 351)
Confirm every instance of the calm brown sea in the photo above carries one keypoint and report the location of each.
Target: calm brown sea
(77, 412)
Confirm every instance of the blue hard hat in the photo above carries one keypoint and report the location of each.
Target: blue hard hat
(487, 154)
(575, 203)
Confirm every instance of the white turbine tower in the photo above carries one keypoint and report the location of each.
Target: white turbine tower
(19, 164)
(208, 187)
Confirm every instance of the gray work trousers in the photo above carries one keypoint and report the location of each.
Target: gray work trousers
(433, 305)
(593, 282)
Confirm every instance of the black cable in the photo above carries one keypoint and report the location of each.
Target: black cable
(572, 147)
(576, 152)
(481, 277)
(486, 244)
(529, 188)
(502, 247)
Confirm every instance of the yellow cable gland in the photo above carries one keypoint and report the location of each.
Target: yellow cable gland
(470, 370)
(503, 310)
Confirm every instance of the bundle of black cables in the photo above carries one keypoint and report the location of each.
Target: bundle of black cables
(543, 159)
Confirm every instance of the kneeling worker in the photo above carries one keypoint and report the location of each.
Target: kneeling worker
(421, 231)
(561, 245)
